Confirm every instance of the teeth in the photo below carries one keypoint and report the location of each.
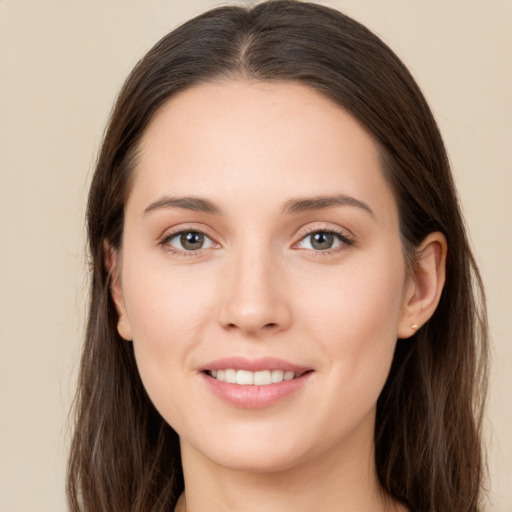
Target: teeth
(263, 378)
(277, 376)
(245, 377)
(230, 376)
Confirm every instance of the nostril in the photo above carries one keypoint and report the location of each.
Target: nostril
(268, 327)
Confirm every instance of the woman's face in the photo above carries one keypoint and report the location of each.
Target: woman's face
(261, 243)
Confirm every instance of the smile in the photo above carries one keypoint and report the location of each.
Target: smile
(259, 378)
(254, 383)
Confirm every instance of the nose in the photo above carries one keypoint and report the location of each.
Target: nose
(254, 296)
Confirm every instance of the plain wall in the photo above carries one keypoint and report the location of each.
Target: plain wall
(61, 65)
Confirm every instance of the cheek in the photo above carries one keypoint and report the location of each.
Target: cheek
(354, 319)
(168, 310)
(165, 302)
(362, 300)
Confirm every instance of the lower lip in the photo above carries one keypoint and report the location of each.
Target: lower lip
(253, 396)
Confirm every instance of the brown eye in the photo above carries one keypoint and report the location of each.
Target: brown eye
(188, 241)
(192, 240)
(322, 240)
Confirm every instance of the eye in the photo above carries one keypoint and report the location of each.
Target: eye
(188, 241)
(323, 240)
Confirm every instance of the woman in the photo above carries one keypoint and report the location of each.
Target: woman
(285, 312)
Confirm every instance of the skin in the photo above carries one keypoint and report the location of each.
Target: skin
(260, 288)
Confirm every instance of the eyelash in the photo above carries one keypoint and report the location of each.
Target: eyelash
(183, 252)
(343, 238)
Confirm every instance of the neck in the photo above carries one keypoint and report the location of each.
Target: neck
(342, 480)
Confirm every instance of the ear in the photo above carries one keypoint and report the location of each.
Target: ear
(113, 264)
(423, 288)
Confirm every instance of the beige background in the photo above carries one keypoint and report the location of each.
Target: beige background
(62, 62)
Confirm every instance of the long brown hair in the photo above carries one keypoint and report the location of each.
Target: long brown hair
(124, 456)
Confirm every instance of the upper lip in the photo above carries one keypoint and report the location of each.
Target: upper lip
(254, 365)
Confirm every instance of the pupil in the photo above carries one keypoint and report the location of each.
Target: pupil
(322, 241)
(192, 240)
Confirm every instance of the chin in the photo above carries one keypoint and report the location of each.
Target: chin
(246, 454)
(256, 461)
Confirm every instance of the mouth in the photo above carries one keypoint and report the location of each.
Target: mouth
(255, 383)
(257, 378)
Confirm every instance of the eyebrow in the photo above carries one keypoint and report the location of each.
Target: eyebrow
(303, 204)
(296, 205)
(196, 204)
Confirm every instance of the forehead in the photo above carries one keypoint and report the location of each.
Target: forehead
(244, 137)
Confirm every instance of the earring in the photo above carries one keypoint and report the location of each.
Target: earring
(414, 326)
